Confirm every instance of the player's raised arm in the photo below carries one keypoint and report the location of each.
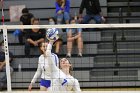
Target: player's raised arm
(52, 36)
(50, 57)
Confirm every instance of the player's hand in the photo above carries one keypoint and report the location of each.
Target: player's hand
(30, 87)
(51, 41)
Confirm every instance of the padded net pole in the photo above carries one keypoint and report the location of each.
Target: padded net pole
(7, 59)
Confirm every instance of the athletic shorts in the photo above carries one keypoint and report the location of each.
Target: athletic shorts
(45, 83)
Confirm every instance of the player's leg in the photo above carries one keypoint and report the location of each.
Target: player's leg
(42, 88)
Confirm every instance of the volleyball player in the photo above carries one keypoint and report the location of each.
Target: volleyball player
(62, 80)
(44, 69)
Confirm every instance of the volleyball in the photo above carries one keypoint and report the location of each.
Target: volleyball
(52, 34)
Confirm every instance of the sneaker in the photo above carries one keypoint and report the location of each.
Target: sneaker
(80, 55)
(68, 55)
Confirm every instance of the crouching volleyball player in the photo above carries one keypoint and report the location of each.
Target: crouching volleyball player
(44, 69)
(62, 80)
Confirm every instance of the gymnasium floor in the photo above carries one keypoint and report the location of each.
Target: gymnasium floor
(112, 89)
(94, 89)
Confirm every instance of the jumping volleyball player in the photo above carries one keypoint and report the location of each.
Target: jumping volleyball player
(62, 80)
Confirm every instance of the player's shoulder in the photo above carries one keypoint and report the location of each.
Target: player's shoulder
(75, 79)
(71, 77)
(76, 82)
(41, 57)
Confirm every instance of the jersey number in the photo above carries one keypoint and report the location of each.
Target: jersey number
(65, 81)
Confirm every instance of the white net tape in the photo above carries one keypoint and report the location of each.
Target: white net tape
(134, 25)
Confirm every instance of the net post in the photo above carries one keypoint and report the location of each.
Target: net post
(7, 59)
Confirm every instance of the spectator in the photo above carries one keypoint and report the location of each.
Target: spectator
(93, 11)
(25, 19)
(74, 34)
(58, 43)
(3, 80)
(34, 37)
(62, 11)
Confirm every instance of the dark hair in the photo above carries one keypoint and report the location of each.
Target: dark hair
(25, 10)
(72, 18)
(35, 19)
(60, 2)
(40, 45)
(70, 69)
(53, 18)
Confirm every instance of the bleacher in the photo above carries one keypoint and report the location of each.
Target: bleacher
(130, 9)
(97, 66)
(105, 68)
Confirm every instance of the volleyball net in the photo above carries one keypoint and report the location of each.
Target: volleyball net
(110, 56)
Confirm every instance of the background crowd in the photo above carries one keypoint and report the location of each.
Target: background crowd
(33, 37)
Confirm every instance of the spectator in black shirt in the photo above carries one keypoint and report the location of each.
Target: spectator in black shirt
(25, 19)
(3, 80)
(93, 11)
(34, 37)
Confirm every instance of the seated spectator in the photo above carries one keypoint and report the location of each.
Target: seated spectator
(62, 11)
(34, 37)
(25, 19)
(58, 43)
(3, 80)
(74, 34)
(93, 11)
